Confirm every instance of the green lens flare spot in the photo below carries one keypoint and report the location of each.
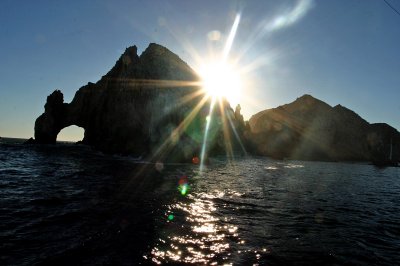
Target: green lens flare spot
(183, 189)
(170, 217)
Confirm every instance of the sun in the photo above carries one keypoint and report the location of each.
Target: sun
(221, 80)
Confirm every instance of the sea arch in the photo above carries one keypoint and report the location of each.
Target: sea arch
(71, 133)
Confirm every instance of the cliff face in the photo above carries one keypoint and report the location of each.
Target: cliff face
(312, 130)
(143, 106)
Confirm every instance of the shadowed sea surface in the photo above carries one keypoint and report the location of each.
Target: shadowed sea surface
(70, 205)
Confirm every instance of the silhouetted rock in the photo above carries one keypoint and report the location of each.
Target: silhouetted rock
(310, 129)
(30, 141)
(145, 105)
(149, 105)
(49, 124)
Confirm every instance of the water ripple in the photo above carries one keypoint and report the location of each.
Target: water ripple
(68, 205)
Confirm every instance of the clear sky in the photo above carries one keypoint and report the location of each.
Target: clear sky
(342, 52)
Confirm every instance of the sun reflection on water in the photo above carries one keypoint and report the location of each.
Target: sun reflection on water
(196, 235)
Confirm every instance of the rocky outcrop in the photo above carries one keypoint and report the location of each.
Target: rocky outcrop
(151, 105)
(147, 105)
(309, 129)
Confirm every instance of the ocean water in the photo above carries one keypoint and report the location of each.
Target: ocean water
(70, 205)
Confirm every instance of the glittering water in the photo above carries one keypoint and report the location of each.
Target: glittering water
(69, 205)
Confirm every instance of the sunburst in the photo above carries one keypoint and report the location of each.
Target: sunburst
(221, 80)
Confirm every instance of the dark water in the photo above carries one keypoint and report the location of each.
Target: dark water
(69, 205)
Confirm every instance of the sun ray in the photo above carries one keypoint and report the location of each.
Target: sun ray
(225, 130)
(156, 83)
(256, 64)
(231, 37)
(166, 84)
(188, 98)
(177, 132)
(237, 135)
(221, 79)
(204, 146)
(170, 140)
(187, 46)
(267, 27)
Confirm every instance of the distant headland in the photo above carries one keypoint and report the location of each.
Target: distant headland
(310, 129)
(152, 105)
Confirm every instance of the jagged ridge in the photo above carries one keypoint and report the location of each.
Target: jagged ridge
(309, 128)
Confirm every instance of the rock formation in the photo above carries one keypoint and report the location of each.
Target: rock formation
(151, 105)
(309, 129)
(146, 105)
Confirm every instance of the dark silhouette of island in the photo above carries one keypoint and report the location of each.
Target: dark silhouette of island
(149, 105)
(152, 106)
(310, 129)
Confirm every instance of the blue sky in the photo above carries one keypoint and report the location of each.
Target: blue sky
(342, 52)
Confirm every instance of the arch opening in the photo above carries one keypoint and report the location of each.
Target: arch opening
(71, 134)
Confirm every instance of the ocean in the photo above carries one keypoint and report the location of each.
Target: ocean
(70, 205)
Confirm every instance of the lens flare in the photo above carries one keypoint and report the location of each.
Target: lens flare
(183, 189)
(195, 160)
(183, 185)
(206, 131)
(231, 36)
(291, 17)
(221, 80)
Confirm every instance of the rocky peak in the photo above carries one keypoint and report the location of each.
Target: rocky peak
(155, 49)
(157, 62)
(54, 101)
(307, 99)
(130, 55)
(123, 67)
